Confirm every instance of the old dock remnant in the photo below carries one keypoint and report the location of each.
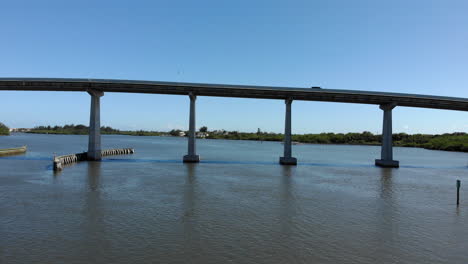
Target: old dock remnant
(12, 151)
(60, 161)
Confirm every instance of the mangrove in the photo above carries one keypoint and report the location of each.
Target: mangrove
(449, 142)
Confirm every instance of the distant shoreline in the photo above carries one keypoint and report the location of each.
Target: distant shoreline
(455, 142)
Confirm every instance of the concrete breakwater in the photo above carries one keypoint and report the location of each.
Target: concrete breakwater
(12, 151)
(60, 161)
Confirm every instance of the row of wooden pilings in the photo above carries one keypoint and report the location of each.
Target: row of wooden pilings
(60, 161)
(110, 152)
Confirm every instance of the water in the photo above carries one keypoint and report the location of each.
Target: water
(238, 205)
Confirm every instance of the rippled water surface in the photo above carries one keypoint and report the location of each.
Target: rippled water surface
(238, 205)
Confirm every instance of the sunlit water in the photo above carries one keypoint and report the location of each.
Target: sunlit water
(238, 205)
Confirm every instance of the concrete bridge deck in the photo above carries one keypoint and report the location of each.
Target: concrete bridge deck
(97, 87)
(240, 91)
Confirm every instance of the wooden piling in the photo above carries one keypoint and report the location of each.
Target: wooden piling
(60, 161)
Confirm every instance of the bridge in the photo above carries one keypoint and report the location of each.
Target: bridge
(97, 87)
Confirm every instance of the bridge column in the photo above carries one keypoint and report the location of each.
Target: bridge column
(287, 159)
(94, 143)
(386, 159)
(192, 156)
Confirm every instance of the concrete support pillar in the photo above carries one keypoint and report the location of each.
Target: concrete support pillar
(386, 159)
(94, 143)
(288, 159)
(191, 155)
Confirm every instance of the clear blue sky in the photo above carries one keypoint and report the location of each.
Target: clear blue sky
(396, 46)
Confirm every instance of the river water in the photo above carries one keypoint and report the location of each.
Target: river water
(238, 205)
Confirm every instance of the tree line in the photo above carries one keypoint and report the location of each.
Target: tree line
(4, 130)
(450, 141)
(84, 130)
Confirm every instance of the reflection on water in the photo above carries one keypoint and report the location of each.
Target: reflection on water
(387, 217)
(94, 227)
(191, 237)
(237, 205)
(386, 182)
(189, 197)
(94, 173)
(287, 207)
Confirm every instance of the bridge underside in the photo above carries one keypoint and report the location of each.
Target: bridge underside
(239, 91)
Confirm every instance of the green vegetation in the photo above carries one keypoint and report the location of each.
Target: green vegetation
(449, 142)
(175, 132)
(4, 130)
(83, 130)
